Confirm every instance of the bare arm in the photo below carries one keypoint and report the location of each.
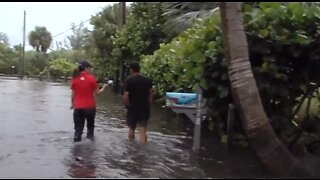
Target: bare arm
(125, 98)
(150, 97)
(99, 91)
(72, 99)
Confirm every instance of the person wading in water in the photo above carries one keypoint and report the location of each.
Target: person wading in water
(137, 98)
(84, 87)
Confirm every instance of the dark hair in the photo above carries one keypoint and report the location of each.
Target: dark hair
(134, 66)
(77, 71)
(81, 68)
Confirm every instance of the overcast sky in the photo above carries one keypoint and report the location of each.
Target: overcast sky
(56, 16)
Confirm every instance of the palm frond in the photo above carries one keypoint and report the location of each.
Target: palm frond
(182, 15)
(185, 21)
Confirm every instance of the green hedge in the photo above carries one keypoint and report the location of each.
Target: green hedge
(284, 53)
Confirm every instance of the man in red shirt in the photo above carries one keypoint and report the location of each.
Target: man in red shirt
(84, 86)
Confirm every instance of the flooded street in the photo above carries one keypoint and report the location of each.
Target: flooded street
(36, 134)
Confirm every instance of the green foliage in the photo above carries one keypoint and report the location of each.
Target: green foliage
(35, 62)
(180, 65)
(105, 25)
(283, 43)
(284, 53)
(8, 58)
(76, 56)
(61, 67)
(182, 15)
(142, 33)
(100, 44)
(314, 110)
(78, 40)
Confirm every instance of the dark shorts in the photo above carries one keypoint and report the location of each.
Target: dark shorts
(134, 119)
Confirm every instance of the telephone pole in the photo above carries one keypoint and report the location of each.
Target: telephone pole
(23, 67)
(122, 14)
(121, 22)
(20, 60)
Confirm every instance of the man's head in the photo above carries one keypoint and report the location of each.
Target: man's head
(135, 67)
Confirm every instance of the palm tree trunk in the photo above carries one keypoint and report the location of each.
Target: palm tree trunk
(275, 157)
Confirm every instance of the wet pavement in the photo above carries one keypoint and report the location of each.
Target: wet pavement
(36, 135)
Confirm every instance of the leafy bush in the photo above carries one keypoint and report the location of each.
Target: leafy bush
(61, 67)
(8, 59)
(283, 46)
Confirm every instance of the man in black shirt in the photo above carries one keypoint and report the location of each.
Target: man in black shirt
(137, 98)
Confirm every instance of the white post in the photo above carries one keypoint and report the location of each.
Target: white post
(12, 67)
(197, 127)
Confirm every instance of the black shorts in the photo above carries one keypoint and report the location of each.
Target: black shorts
(134, 119)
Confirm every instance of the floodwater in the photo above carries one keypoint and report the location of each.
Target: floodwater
(36, 134)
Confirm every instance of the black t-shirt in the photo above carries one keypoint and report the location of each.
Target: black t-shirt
(138, 87)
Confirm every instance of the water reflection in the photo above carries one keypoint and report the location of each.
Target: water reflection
(81, 171)
(82, 164)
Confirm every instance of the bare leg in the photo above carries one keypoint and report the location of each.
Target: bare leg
(131, 134)
(143, 135)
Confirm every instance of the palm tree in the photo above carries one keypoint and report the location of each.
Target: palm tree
(40, 39)
(273, 154)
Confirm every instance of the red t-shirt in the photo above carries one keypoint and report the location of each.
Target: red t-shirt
(83, 88)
